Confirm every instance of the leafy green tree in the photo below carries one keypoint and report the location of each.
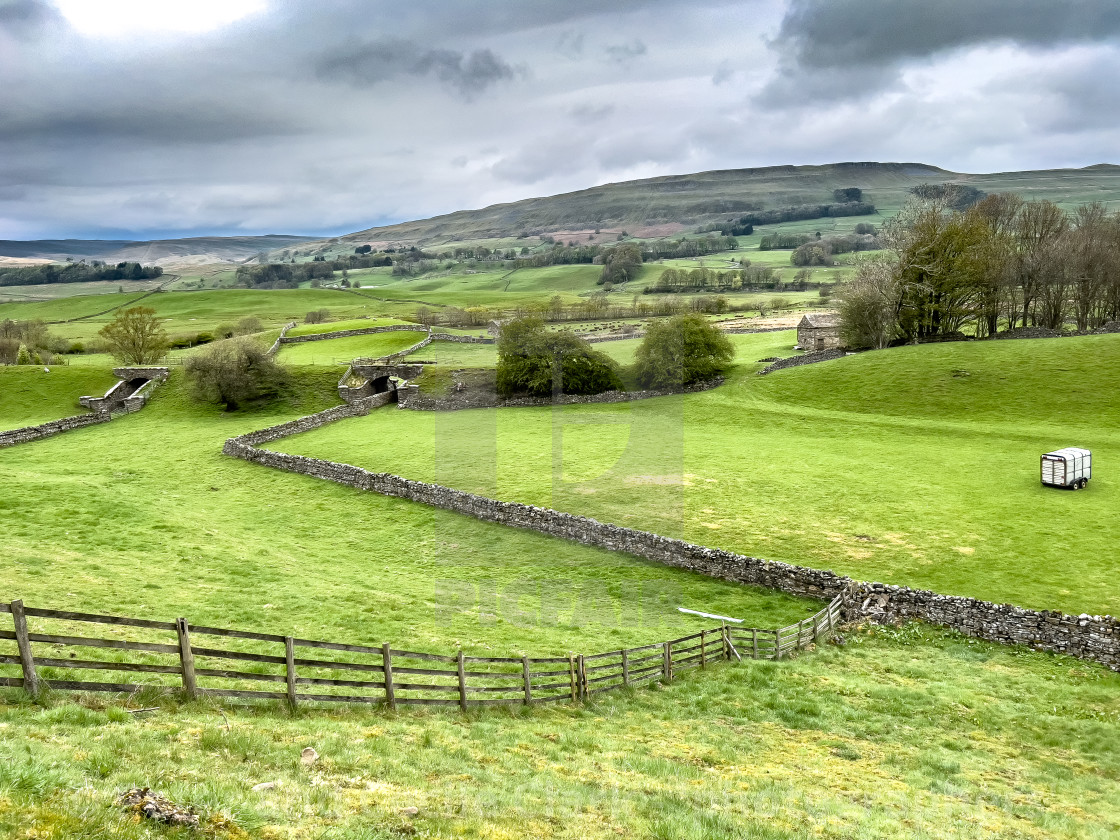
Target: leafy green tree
(682, 351)
(135, 337)
(234, 373)
(621, 263)
(541, 363)
(23, 357)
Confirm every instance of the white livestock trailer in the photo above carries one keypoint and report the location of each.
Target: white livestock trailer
(1070, 467)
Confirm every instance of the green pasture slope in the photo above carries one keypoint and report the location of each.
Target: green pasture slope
(185, 312)
(341, 350)
(914, 466)
(30, 395)
(911, 733)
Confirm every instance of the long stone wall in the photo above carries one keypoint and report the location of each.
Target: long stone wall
(410, 397)
(1088, 637)
(54, 427)
(275, 348)
(300, 339)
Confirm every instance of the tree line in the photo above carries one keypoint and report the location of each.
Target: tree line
(76, 272)
(1003, 262)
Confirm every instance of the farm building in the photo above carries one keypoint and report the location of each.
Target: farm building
(819, 332)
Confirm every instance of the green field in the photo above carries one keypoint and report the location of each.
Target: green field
(29, 395)
(899, 734)
(334, 351)
(894, 466)
(916, 466)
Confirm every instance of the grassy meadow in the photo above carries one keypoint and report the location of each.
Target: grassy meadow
(915, 465)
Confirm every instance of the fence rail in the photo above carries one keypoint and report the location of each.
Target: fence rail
(298, 670)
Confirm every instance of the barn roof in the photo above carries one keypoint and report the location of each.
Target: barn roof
(820, 319)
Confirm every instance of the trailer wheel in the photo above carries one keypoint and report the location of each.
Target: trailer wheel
(1083, 483)
(1073, 486)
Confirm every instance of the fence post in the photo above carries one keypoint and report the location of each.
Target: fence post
(777, 644)
(625, 667)
(572, 674)
(26, 659)
(725, 639)
(462, 682)
(703, 653)
(667, 666)
(754, 641)
(290, 670)
(186, 658)
(528, 684)
(387, 663)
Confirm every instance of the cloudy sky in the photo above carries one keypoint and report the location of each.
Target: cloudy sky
(135, 118)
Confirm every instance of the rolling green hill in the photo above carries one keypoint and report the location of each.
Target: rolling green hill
(692, 199)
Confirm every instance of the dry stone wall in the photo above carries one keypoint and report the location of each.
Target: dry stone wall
(1094, 638)
(54, 427)
(300, 339)
(410, 397)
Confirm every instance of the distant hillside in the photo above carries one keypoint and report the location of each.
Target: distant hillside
(708, 196)
(651, 207)
(199, 250)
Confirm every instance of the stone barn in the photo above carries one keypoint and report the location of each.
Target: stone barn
(819, 332)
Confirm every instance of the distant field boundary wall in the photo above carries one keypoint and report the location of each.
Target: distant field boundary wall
(275, 348)
(410, 397)
(325, 336)
(121, 398)
(54, 427)
(1093, 638)
(176, 650)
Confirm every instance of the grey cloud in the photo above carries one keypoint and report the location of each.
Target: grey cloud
(24, 16)
(834, 33)
(625, 53)
(848, 49)
(723, 74)
(587, 114)
(570, 44)
(386, 59)
(139, 122)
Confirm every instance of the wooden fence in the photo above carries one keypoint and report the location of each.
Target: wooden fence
(179, 657)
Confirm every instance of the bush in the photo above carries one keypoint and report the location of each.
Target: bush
(248, 325)
(225, 330)
(318, 316)
(234, 373)
(531, 359)
(682, 351)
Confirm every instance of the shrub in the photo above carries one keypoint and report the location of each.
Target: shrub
(682, 351)
(248, 325)
(234, 373)
(533, 360)
(318, 316)
(225, 330)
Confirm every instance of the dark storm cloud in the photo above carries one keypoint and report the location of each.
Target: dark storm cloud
(842, 33)
(387, 59)
(831, 48)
